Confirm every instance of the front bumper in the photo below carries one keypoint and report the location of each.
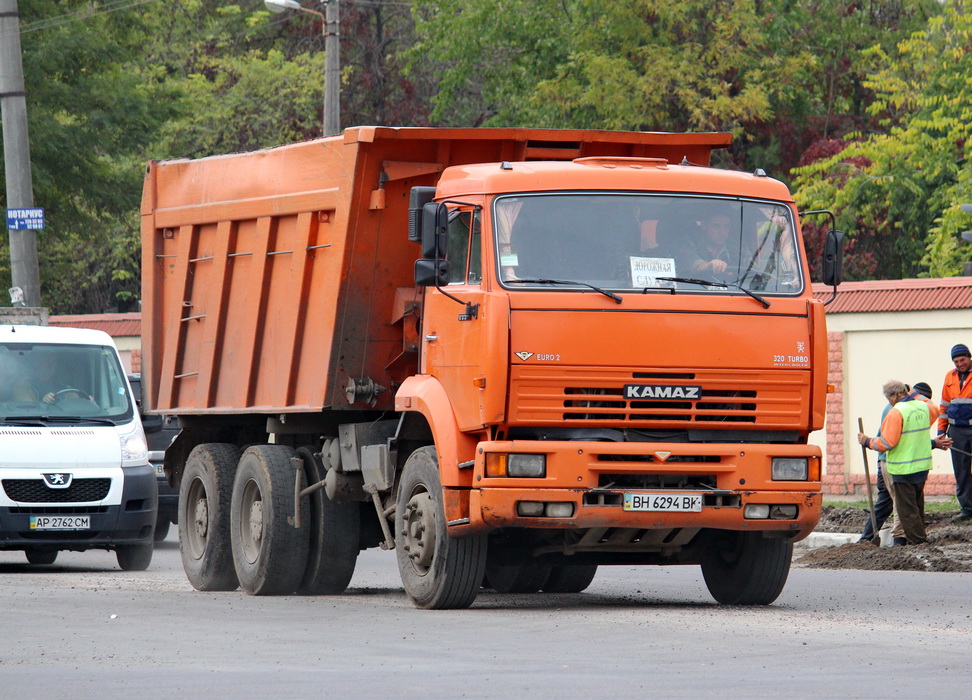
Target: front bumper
(131, 521)
(594, 476)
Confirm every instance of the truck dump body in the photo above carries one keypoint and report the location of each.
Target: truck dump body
(272, 279)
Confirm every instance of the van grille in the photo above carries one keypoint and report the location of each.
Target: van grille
(36, 491)
(745, 398)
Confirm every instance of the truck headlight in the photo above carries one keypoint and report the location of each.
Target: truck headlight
(790, 469)
(519, 465)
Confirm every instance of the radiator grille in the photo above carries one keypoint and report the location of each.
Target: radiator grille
(37, 491)
(745, 399)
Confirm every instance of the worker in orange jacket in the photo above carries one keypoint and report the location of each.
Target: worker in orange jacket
(956, 421)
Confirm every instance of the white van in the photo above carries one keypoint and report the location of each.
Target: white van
(74, 470)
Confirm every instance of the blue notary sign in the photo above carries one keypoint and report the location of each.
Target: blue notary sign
(29, 218)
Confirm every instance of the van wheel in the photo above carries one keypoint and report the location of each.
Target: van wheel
(745, 568)
(134, 557)
(40, 556)
(161, 530)
(335, 533)
(517, 578)
(269, 553)
(204, 517)
(573, 578)
(438, 571)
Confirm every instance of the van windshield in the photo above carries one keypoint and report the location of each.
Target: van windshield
(632, 241)
(50, 383)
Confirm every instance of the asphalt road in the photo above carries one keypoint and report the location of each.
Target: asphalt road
(83, 628)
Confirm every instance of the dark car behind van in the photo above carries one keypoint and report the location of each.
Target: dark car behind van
(160, 431)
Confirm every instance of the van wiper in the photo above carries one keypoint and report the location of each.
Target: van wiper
(707, 283)
(609, 295)
(79, 419)
(23, 421)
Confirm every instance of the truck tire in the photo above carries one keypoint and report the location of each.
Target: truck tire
(516, 578)
(134, 557)
(438, 571)
(36, 555)
(747, 568)
(573, 578)
(334, 536)
(204, 517)
(161, 530)
(269, 553)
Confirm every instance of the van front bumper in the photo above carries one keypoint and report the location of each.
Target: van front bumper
(131, 521)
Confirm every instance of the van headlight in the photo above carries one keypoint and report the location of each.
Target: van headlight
(133, 447)
(790, 469)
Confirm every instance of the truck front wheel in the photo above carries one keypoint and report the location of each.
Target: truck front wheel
(516, 578)
(204, 500)
(572, 578)
(268, 551)
(438, 571)
(745, 568)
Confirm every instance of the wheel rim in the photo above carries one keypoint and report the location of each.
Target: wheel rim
(418, 530)
(251, 521)
(197, 510)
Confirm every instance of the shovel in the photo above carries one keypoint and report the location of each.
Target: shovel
(867, 483)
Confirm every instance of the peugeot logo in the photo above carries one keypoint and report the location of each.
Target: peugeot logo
(58, 480)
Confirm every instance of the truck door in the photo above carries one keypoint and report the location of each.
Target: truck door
(459, 346)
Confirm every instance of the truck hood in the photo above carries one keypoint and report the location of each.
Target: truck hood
(665, 369)
(59, 448)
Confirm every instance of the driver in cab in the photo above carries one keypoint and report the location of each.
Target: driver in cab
(45, 385)
(708, 253)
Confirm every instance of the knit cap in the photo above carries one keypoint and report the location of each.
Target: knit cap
(960, 350)
(923, 389)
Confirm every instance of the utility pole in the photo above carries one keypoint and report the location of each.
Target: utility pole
(16, 152)
(332, 68)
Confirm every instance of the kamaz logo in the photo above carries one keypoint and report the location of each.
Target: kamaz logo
(662, 391)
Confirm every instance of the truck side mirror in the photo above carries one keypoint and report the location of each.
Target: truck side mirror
(418, 197)
(431, 273)
(435, 230)
(833, 257)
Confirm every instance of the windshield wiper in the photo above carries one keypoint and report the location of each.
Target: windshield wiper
(706, 283)
(79, 419)
(24, 421)
(609, 295)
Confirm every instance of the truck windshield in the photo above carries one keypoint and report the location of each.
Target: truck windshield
(51, 383)
(646, 241)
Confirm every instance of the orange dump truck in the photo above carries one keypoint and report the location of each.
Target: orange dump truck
(510, 355)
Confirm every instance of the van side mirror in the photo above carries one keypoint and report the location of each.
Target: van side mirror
(833, 257)
(435, 230)
(151, 423)
(431, 273)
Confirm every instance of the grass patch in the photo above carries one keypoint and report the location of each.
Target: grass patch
(949, 505)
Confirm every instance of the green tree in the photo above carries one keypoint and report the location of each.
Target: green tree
(898, 191)
(89, 121)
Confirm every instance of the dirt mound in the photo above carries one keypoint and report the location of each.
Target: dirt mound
(949, 547)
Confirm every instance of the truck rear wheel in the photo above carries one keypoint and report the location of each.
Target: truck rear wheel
(204, 517)
(334, 536)
(438, 571)
(746, 568)
(268, 551)
(134, 557)
(570, 579)
(516, 578)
